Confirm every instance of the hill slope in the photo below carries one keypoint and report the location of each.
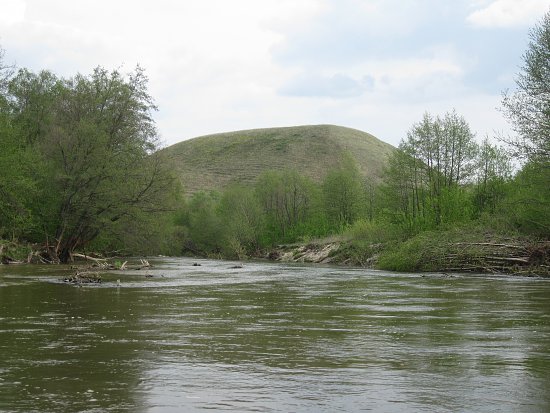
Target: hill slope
(215, 161)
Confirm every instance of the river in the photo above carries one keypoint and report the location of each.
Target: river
(272, 338)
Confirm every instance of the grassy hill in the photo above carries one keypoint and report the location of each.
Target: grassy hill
(215, 161)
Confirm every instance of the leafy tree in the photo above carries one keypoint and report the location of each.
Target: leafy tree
(16, 165)
(32, 99)
(528, 201)
(204, 224)
(494, 170)
(429, 169)
(404, 190)
(528, 108)
(6, 71)
(241, 214)
(371, 198)
(95, 135)
(343, 194)
(286, 198)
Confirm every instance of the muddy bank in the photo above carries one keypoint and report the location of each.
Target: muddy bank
(313, 253)
(327, 252)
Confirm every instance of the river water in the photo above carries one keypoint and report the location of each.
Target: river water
(272, 338)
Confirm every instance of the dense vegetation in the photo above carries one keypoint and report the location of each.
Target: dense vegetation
(446, 201)
(80, 169)
(76, 159)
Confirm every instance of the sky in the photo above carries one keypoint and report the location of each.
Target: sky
(223, 65)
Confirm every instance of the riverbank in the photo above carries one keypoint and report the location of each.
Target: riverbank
(449, 251)
(442, 252)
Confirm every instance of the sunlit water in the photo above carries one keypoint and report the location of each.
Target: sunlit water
(271, 337)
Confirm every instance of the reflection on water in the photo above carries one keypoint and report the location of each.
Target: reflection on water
(271, 337)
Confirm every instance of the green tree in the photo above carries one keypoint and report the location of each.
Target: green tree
(205, 226)
(528, 107)
(430, 169)
(287, 199)
(32, 98)
(528, 200)
(343, 194)
(17, 187)
(404, 190)
(494, 170)
(242, 218)
(95, 135)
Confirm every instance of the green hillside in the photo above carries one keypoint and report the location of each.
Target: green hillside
(214, 161)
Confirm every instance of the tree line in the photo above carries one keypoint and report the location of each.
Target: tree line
(78, 170)
(438, 179)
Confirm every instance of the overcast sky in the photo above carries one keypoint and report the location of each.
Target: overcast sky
(222, 65)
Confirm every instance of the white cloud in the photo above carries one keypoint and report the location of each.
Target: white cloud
(508, 13)
(13, 11)
(218, 65)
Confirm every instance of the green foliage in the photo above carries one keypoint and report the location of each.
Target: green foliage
(425, 178)
(76, 162)
(240, 212)
(18, 166)
(374, 232)
(288, 201)
(17, 251)
(493, 172)
(528, 107)
(528, 201)
(204, 224)
(343, 194)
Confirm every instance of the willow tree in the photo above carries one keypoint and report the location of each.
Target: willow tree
(96, 140)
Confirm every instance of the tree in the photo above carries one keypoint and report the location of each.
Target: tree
(96, 137)
(494, 170)
(242, 219)
(528, 201)
(402, 191)
(32, 100)
(343, 194)
(6, 72)
(286, 198)
(204, 224)
(528, 108)
(430, 168)
(16, 165)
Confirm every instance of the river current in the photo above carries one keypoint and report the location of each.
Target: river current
(272, 338)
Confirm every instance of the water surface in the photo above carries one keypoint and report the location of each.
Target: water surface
(272, 337)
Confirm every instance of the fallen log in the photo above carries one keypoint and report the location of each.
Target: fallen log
(87, 257)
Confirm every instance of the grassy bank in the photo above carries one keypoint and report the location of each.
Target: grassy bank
(14, 252)
(466, 249)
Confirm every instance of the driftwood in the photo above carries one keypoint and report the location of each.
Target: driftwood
(84, 277)
(87, 257)
(488, 257)
(143, 264)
